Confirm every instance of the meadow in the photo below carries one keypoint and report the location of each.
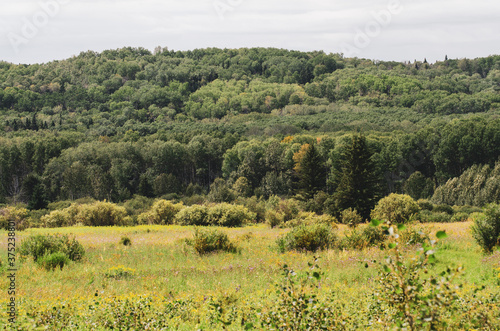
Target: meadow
(160, 282)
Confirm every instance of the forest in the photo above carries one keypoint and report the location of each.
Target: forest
(218, 124)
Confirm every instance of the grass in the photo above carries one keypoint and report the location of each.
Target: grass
(162, 265)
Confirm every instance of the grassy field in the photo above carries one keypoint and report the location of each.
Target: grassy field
(160, 274)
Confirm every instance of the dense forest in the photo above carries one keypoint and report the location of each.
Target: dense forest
(221, 124)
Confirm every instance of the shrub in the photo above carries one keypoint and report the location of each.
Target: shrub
(119, 272)
(257, 206)
(307, 238)
(207, 241)
(162, 212)
(53, 260)
(274, 218)
(396, 208)
(40, 245)
(99, 213)
(425, 204)
(193, 215)
(444, 209)
(426, 216)
(125, 241)
(486, 230)
(225, 214)
(362, 238)
(308, 218)
(351, 217)
(14, 215)
(459, 217)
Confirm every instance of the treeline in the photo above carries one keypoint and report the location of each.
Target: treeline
(48, 167)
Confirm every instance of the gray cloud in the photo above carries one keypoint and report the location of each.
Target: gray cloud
(421, 29)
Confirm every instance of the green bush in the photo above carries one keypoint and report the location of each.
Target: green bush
(396, 208)
(125, 241)
(444, 209)
(211, 240)
(193, 215)
(40, 245)
(486, 230)
(362, 238)
(274, 218)
(425, 204)
(307, 238)
(351, 217)
(53, 260)
(162, 212)
(100, 213)
(426, 216)
(224, 214)
(459, 217)
(309, 218)
(16, 215)
(255, 205)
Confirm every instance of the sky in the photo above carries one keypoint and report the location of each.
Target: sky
(38, 31)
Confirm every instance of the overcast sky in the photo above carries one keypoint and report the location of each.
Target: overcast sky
(401, 30)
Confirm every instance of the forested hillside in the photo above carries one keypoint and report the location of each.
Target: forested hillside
(216, 124)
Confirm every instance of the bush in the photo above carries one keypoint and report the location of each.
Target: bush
(426, 216)
(362, 238)
(396, 208)
(274, 218)
(443, 209)
(228, 215)
(193, 215)
(95, 214)
(207, 241)
(351, 217)
(486, 230)
(425, 204)
(307, 238)
(459, 217)
(162, 212)
(53, 260)
(257, 206)
(308, 218)
(14, 215)
(125, 241)
(39, 246)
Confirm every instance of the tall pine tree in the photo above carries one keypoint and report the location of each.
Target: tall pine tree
(310, 171)
(356, 180)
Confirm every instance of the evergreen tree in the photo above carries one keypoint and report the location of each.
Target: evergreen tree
(310, 172)
(357, 183)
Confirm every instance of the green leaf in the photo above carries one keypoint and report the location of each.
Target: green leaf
(387, 269)
(375, 223)
(392, 245)
(441, 235)
(316, 275)
(401, 227)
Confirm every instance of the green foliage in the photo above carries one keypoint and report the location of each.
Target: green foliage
(100, 213)
(426, 216)
(119, 272)
(53, 260)
(274, 218)
(14, 216)
(125, 241)
(39, 246)
(486, 230)
(228, 215)
(211, 240)
(162, 212)
(361, 238)
(193, 215)
(396, 208)
(356, 181)
(350, 217)
(308, 218)
(307, 238)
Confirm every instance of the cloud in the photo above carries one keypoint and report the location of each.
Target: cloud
(423, 28)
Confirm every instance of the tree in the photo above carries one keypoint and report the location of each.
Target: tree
(310, 170)
(357, 183)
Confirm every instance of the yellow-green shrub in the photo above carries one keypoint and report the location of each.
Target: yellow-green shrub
(351, 217)
(162, 212)
(310, 218)
(193, 215)
(225, 214)
(100, 213)
(396, 208)
(18, 216)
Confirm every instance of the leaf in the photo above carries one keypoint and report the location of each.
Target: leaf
(387, 269)
(401, 227)
(316, 275)
(375, 223)
(441, 235)
(392, 245)
(366, 265)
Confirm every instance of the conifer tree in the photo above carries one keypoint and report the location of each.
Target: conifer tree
(357, 183)
(310, 171)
